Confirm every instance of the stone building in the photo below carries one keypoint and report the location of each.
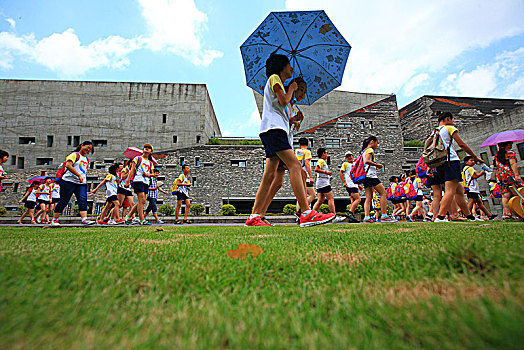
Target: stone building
(42, 120)
(418, 118)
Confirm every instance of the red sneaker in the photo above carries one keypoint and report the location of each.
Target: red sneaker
(120, 222)
(256, 221)
(102, 222)
(315, 218)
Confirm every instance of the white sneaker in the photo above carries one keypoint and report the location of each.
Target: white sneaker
(476, 219)
(159, 222)
(88, 222)
(339, 219)
(55, 223)
(135, 221)
(441, 220)
(39, 220)
(111, 222)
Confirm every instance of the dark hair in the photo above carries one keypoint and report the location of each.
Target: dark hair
(408, 173)
(392, 179)
(367, 141)
(501, 154)
(441, 116)
(321, 151)
(276, 63)
(113, 168)
(298, 80)
(185, 166)
(303, 141)
(155, 170)
(85, 143)
(467, 159)
(49, 178)
(3, 154)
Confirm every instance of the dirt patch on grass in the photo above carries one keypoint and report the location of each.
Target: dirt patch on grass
(263, 236)
(404, 230)
(337, 257)
(157, 241)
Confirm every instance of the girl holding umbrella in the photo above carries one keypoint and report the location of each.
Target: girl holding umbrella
(507, 173)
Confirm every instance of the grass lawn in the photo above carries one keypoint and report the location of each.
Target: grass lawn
(336, 286)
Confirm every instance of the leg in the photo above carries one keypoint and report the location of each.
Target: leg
(295, 169)
(276, 184)
(483, 207)
(310, 195)
(188, 205)
(331, 202)
(140, 205)
(355, 201)
(114, 211)
(383, 200)
(265, 184)
(506, 211)
(319, 202)
(81, 196)
(177, 209)
(369, 198)
(435, 205)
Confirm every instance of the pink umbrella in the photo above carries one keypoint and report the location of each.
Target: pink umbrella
(132, 152)
(505, 136)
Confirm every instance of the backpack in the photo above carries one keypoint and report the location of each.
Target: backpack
(62, 167)
(358, 171)
(494, 190)
(389, 193)
(465, 183)
(421, 168)
(410, 190)
(435, 153)
(137, 165)
(398, 192)
(174, 187)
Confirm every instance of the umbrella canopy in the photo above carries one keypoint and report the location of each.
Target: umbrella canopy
(39, 179)
(132, 152)
(316, 49)
(505, 136)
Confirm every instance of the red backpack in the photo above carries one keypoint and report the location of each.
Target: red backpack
(389, 193)
(421, 168)
(358, 170)
(410, 190)
(399, 191)
(62, 167)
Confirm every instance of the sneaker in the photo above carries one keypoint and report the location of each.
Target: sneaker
(267, 222)
(87, 222)
(144, 222)
(55, 223)
(120, 221)
(135, 221)
(159, 222)
(339, 219)
(315, 218)
(476, 219)
(441, 220)
(102, 222)
(387, 219)
(427, 219)
(256, 221)
(33, 222)
(111, 222)
(126, 220)
(492, 217)
(39, 220)
(410, 218)
(368, 221)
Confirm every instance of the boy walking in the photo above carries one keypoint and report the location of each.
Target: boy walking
(182, 194)
(153, 196)
(470, 177)
(324, 182)
(350, 187)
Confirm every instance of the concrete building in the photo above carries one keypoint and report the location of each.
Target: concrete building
(42, 120)
(418, 118)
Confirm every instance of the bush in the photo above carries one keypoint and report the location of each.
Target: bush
(290, 209)
(228, 210)
(414, 143)
(75, 209)
(324, 208)
(197, 209)
(21, 209)
(166, 210)
(3, 211)
(213, 141)
(389, 209)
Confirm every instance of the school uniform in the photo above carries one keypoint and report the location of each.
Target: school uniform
(323, 180)
(448, 171)
(70, 183)
(371, 179)
(182, 192)
(472, 183)
(304, 154)
(140, 181)
(346, 169)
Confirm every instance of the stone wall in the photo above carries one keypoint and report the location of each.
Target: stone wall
(54, 115)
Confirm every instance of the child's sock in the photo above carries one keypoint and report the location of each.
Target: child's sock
(367, 217)
(306, 212)
(253, 216)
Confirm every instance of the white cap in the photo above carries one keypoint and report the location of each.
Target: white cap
(348, 153)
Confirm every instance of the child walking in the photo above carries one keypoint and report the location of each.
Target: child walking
(372, 182)
(274, 131)
(55, 195)
(182, 194)
(140, 172)
(153, 196)
(351, 188)
(111, 182)
(4, 156)
(44, 201)
(30, 202)
(470, 177)
(323, 184)
(125, 196)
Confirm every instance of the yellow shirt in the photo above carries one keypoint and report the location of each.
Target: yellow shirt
(346, 169)
(183, 179)
(372, 170)
(275, 80)
(303, 154)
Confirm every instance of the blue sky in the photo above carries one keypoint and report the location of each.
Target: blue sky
(410, 48)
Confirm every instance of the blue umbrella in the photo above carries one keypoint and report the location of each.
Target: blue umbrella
(316, 49)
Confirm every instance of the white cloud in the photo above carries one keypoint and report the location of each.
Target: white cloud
(175, 26)
(415, 82)
(396, 40)
(243, 126)
(11, 22)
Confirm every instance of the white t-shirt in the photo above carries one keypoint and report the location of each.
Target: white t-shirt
(417, 185)
(80, 163)
(32, 196)
(472, 183)
(446, 132)
(303, 154)
(56, 190)
(274, 115)
(371, 169)
(346, 169)
(143, 166)
(46, 191)
(111, 185)
(323, 180)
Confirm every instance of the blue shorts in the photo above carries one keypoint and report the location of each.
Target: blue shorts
(325, 189)
(352, 190)
(447, 172)
(125, 192)
(371, 182)
(274, 140)
(180, 196)
(140, 187)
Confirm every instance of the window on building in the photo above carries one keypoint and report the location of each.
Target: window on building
(343, 125)
(50, 140)
(100, 166)
(92, 178)
(371, 125)
(193, 182)
(109, 160)
(26, 140)
(484, 156)
(92, 165)
(13, 160)
(520, 148)
(69, 140)
(389, 151)
(348, 138)
(15, 187)
(332, 143)
(175, 139)
(43, 173)
(161, 177)
(164, 118)
(328, 160)
(76, 141)
(207, 210)
(198, 139)
(100, 143)
(238, 163)
(313, 163)
(170, 166)
(44, 161)
(208, 165)
(181, 161)
(392, 126)
(197, 161)
(493, 150)
(362, 124)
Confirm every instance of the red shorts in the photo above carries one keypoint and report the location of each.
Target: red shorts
(125, 204)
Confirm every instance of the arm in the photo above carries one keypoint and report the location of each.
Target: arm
(513, 165)
(69, 166)
(180, 183)
(25, 196)
(320, 171)
(342, 178)
(476, 176)
(368, 161)
(97, 187)
(130, 174)
(284, 98)
(465, 147)
(308, 169)
(161, 190)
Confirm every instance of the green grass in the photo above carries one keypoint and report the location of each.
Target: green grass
(337, 286)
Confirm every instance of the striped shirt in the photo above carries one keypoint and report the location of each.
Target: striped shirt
(152, 184)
